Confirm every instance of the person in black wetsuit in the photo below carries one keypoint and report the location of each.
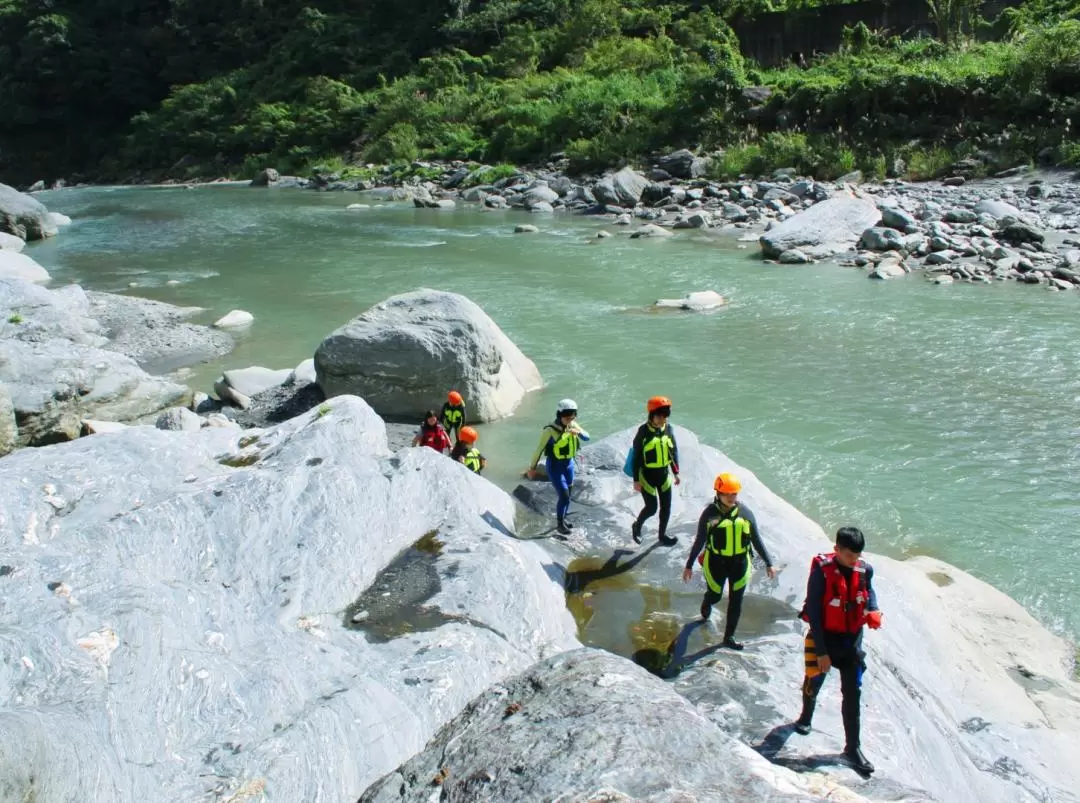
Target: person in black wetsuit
(840, 599)
(722, 531)
(655, 468)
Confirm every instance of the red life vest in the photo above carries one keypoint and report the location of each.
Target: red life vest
(844, 603)
(435, 437)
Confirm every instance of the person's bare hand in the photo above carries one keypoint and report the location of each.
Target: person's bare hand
(771, 571)
(824, 663)
(531, 474)
(687, 574)
(677, 480)
(637, 487)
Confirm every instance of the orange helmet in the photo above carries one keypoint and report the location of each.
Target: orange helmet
(468, 435)
(656, 402)
(455, 398)
(727, 484)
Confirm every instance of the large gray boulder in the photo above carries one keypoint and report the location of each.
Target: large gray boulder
(9, 432)
(588, 726)
(157, 336)
(826, 228)
(976, 712)
(23, 216)
(621, 189)
(403, 354)
(683, 164)
(197, 611)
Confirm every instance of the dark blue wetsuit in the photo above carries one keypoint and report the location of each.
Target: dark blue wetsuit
(560, 446)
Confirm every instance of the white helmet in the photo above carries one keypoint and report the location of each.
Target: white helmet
(566, 406)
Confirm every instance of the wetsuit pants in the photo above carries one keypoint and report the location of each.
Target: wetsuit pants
(735, 572)
(849, 660)
(561, 474)
(658, 495)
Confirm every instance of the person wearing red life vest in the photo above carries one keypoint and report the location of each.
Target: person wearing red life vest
(431, 433)
(840, 600)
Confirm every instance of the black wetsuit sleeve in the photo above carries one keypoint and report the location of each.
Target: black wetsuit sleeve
(674, 452)
(639, 452)
(871, 595)
(699, 539)
(755, 536)
(815, 608)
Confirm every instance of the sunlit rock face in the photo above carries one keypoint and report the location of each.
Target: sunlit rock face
(196, 614)
(966, 696)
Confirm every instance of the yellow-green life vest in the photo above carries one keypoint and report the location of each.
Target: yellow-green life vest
(657, 449)
(452, 417)
(728, 534)
(563, 445)
(473, 461)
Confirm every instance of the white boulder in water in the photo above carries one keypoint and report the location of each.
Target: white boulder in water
(9, 242)
(184, 627)
(14, 265)
(234, 319)
(59, 220)
(700, 301)
(404, 353)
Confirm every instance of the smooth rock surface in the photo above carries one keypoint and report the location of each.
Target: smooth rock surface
(623, 188)
(178, 419)
(700, 301)
(234, 319)
(15, 265)
(9, 432)
(183, 630)
(956, 706)
(403, 353)
(157, 336)
(9, 242)
(255, 378)
(587, 726)
(826, 228)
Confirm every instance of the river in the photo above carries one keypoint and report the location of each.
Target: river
(939, 419)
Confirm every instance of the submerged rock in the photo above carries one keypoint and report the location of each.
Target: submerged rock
(235, 319)
(403, 353)
(586, 725)
(701, 301)
(182, 629)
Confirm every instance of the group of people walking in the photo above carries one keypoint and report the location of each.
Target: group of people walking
(840, 598)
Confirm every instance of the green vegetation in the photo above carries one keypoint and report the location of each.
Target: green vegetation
(15, 318)
(194, 88)
(324, 410)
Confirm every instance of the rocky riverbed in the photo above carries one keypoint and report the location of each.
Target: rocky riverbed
(1023, 225)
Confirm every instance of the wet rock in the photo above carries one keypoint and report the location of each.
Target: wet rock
(701, 301)
(23, 216)
(404, 353)
(266, 178)
(793, 256)
(584, 725)
(826, 228)
(241, 552)
(235, 319)
(651, 230)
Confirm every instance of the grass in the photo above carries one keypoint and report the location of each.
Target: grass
(324, 410)
(15, 318)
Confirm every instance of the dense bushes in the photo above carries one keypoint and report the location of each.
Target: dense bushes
(199, 88)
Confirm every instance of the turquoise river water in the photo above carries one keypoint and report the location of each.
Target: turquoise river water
(939, 419)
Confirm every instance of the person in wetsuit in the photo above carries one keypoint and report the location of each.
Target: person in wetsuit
(655, 468)
(465, 450)
(840, 599)
(560, 442)
(452, 415)
(722, 531)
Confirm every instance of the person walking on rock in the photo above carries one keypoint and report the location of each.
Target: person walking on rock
(453, 413)
(560, 442)
(465, 450)
(431, 433)
(727, 530)
(840, 599)
(655, 467)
